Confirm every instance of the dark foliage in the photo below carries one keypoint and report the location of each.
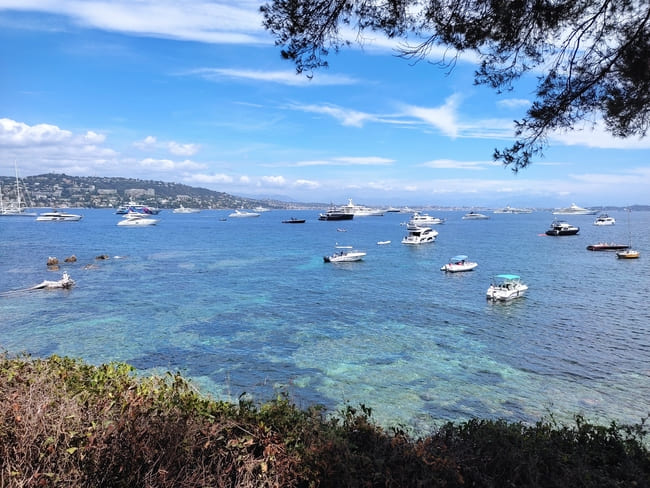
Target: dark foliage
(596, 53)
(64, 423)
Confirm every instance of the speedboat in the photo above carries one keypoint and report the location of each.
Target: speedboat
(475, 216)
(136, 219)
(243, 214)
(562, 228)
(420, 235)
(607, 246)
(344, 257)
(56, 216)
(604, 219)
(574, 210)
(423, 220)
(506, 287)
(294, 220)
(459, 263)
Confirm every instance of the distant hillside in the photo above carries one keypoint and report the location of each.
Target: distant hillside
(60, 190)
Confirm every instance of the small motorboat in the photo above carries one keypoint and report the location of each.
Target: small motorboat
(293, 220)
(382, 243)
(604, 219)
(475, 216)
(459, 263)
(562, 228)
(606, 246)
(506, 287)
(135, 219)
(344, 257)
(628, 254)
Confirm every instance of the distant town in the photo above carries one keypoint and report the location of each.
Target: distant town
(63, 191)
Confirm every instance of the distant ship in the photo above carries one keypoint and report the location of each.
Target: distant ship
(574, 210)
(511, 210)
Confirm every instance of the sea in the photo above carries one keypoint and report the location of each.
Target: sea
(247, 308)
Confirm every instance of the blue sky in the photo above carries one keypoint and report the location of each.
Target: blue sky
(195, 92)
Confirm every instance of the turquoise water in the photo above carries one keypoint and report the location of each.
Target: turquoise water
(249, 306)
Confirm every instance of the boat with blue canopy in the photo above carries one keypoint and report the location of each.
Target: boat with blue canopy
(506, 287)
(459, 263)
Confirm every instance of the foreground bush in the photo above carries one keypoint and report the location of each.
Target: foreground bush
(66, 423)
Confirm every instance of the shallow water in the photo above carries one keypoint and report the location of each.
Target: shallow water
(248, 305)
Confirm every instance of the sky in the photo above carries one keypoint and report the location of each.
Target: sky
(196, 92)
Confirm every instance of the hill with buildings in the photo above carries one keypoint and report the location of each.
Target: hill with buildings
(60, 190)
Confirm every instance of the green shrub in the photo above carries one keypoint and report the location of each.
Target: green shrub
(66, 423)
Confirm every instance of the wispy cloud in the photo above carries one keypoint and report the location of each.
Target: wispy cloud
(204, 21)
(465, 165)
(283, 77)
(444, 118)
(348, 161)
(150, 143)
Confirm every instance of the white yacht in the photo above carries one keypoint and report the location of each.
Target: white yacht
(422, 220)
(604, 219)
(574, 210)
(420, 235)
(243, 214)
(186, 210)
(360, 210)
(135, 219)
(506, 287)
(56, 216)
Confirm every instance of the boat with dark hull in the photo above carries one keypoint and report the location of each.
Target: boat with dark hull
(562, 228)
(607, 246)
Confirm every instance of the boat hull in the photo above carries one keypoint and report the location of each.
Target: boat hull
(606, 247)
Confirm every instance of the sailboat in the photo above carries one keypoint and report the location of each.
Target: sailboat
(14, 208)
(628, 253)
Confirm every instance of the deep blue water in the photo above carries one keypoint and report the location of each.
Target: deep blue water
(248, 305)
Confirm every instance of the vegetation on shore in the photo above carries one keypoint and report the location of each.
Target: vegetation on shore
(66, 423)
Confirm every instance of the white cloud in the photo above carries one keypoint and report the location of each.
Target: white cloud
(182, 149)
(176, 148)
(452, 164)
(306, 184)
(209, 179)
(346, 117)
(286, 77)
(145, 143)
(444, 118)
(597, 137)
(514, 103)
(19, 134)
(273, 180)
(204, 21)
(347, 161)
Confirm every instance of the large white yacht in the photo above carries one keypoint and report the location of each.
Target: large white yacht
(360, 210)
(574, 210)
